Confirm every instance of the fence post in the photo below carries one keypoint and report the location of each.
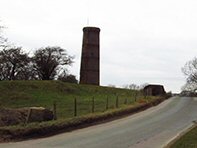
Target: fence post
(75, 107)
(54, 111)
(136, 94)
(125, 101)
(117, 102)
(107, 103)
(28, 115)
(92, 104)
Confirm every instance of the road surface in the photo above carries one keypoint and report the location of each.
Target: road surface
(152, 128)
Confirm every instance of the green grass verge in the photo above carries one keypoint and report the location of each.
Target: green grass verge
(16, 94)
(189, 140)
(31, 130)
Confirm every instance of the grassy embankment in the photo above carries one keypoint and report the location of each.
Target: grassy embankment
(14, 94)
(189, 140)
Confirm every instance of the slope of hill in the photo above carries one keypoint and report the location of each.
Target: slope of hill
(16, 94)
(108, 103)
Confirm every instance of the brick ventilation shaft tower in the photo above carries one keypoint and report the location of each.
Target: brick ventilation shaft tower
(90, 59)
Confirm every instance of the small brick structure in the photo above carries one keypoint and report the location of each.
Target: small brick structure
(90, 57)
(154, 90)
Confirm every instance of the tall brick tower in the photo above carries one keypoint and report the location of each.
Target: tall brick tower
(90, 59)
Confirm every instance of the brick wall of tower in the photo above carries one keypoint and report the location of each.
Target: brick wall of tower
(90, 58)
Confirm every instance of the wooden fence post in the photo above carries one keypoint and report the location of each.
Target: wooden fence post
(54, 111)
(28, 116)
(75, 107)
(117, 102)
(125, 101)
(107, 103)
(92, 104)
(136, 94)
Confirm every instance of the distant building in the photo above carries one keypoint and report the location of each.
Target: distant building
(154, 90)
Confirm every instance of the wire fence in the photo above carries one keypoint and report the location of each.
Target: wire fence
(80, 106)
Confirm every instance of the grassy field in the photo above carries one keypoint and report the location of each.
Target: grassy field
(15, 94)
(189, 140)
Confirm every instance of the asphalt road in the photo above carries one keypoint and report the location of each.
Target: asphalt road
(152, 128)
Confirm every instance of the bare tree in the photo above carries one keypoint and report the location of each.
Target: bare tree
(49, 61)
(28, 72)
(65, 77)
(190, 70)
(13, 63)
(134, 87)
(189, 87)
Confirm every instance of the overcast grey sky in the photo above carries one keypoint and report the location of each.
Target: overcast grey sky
(142, 41)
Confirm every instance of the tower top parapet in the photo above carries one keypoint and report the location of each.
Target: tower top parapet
(96, 29)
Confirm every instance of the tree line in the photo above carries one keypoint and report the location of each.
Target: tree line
(47, 63)
(190, 71)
